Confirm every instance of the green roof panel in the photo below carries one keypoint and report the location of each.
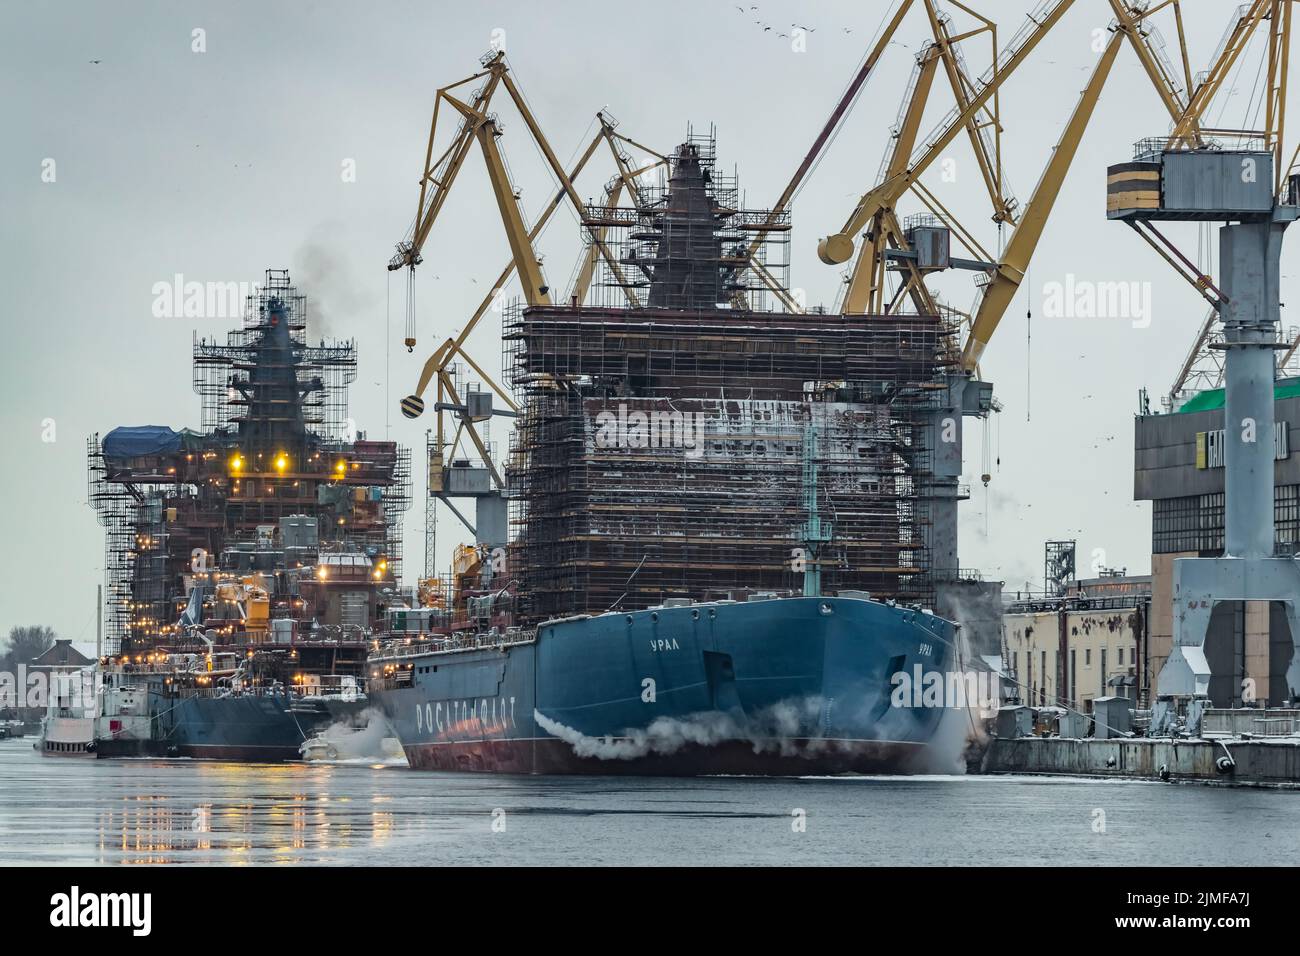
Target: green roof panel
(1212, 398)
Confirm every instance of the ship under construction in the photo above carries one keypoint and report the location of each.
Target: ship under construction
(250, 562)
(647, 595)
(724, 521)
(709, 548)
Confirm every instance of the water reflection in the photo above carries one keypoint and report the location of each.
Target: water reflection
(63, 810)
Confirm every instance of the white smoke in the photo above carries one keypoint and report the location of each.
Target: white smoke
(775, 729)
(354, 740)
(961, 728)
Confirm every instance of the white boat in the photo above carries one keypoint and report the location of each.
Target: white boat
(68, 728)
(318, 747)
(66, 735)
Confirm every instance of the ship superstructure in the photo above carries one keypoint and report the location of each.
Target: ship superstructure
(660, 452)
(257, 554)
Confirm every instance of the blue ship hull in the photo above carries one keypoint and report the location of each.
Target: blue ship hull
(256, 729)
(788, 686)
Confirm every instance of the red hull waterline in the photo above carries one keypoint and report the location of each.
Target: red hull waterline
(798, 757)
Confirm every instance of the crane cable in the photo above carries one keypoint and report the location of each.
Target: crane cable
(388, 346)
(410, 308)
(985, 476)
(1029, 340)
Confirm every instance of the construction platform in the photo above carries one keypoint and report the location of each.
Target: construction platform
(1259, 763)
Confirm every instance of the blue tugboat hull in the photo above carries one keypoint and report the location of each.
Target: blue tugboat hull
(256, 729)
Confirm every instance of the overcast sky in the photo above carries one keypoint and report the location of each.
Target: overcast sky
(221, 163)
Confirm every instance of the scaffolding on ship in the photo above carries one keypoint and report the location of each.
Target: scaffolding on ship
(705, 496)
(276, 449)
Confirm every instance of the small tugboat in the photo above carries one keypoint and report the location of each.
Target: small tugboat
(318, 747)
(68, 728)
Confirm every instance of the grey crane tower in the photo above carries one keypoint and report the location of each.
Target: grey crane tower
(1237, 188)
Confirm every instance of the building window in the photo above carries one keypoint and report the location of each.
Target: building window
(1211, 524)
(1087, 657)
(1286, 514)
(1190, 523)
(1173, 525)
(1196, 522)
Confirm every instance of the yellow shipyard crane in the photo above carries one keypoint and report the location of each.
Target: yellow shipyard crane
(460, 413)
(898, 256)
(976, 113)
(478, 125)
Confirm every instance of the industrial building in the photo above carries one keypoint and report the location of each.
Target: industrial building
(1091, 641)
(1179, 468)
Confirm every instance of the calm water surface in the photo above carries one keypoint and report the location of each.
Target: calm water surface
(84, 811)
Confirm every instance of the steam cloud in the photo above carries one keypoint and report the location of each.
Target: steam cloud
(373, 740)
(775, 729)
(961, 728)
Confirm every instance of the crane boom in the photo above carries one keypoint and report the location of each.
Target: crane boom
(441, 174)
(536, 291)
(815, 150)
(839, 247)
(1130, 24)
(866, 283)
(1015, 260)
(449, 350)
(1238, 40)
(987, 155)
